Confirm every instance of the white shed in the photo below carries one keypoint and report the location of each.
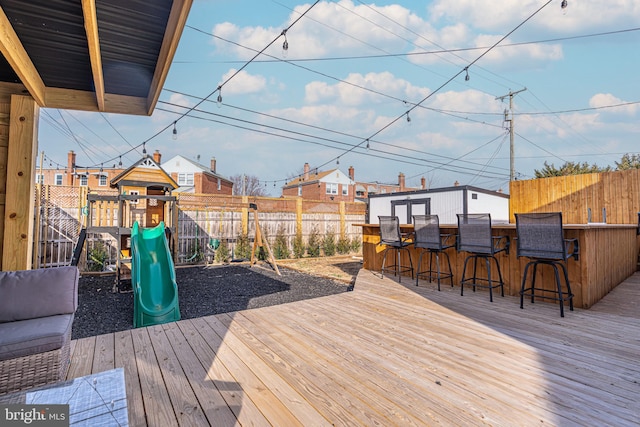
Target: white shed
(444, 202)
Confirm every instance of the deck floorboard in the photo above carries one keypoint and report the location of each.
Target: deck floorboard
(384, 354)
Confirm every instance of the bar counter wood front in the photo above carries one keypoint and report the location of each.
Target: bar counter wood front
(608, 255)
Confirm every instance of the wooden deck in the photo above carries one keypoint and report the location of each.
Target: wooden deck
(384, 354)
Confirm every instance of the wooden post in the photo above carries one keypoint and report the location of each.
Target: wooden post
(343, 213)
(245, 216)
(299, 216)
(259, 241)
(21, 156)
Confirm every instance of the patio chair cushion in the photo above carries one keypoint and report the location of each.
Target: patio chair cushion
(26, 337)
(31, 294)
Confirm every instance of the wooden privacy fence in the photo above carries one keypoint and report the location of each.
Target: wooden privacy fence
(611, 197)
(61, 212)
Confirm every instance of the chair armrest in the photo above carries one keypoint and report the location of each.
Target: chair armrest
(575, 248)
(501, 243)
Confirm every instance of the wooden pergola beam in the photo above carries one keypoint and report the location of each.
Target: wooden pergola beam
(15, 54)
(91, 28)
(175, 25)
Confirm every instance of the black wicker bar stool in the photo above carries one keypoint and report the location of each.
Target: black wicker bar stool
(392, 238)
(428, 238)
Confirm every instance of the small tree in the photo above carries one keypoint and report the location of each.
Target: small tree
(298, 246)
(280, 245)
(223, 253)
(356, 244)
(329, 243)
(98, 257)
(313, 244)
(243, 248)
(344, 245)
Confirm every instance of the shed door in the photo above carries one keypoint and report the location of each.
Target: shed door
(155, 208)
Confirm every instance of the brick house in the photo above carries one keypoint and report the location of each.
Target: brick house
(332, 185)
(193, 177)
(76, 175)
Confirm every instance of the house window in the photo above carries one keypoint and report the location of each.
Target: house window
(134, 193)
(332, 188)
(84, 180)
(219, 184)
(299, 190)
(58, 179)
(103, 180)
(185, 179)
(39, 179)
(345, 190)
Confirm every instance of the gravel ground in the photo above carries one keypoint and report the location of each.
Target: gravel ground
(202, 291)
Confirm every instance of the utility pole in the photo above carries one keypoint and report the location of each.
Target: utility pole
(512, 166)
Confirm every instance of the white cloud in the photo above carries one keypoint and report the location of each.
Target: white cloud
(242, 83)
(601, 100)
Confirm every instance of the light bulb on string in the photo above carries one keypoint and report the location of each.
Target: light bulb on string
(120, 162)
(175, 132)
(408, 118)
(144, 149)
(466, 77)
(285, 45)
(219, 99)
(564, 4)
(368, 145)
(338, 161)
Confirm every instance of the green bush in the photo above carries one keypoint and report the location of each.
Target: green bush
(329, 243)
(97, 257)
(298, 246)
(243, 247)
(344, 245)
(314, 242)
(356, 244)
(223, 253)
(281, 245)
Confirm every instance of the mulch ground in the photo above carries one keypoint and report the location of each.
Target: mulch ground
(202, 291)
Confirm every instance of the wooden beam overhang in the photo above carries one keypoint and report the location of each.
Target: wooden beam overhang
(93, 41)
(15, 54)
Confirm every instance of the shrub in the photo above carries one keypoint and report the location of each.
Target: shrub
(313, 244)
(223, 252)
(329, 243)
(281, 245)
(98, 257)
(356, 244)
(298, 246)
(344, 245)
(243, 247)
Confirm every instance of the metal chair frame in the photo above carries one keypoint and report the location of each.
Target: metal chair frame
(429, 238)
(392, 238)
(541, 239)
(474, 237)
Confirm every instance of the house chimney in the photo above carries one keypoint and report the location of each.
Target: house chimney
(455, 184)
(157, 157)
(306, 171)
(352, 173)
(423, 183)
(213, 164)
(401, 181)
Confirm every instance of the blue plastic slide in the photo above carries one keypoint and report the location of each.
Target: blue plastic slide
(153, 277)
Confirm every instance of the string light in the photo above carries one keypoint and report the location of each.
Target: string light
(219, 99)
(175, 132)
(466, 77)
(120, 162)
(285, 44)
(564, 4)
(338, 161)
(408, 118)
(144, 148)
(368, 145)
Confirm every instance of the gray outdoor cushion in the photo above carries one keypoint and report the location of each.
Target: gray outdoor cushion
(38, 293)
(32, 336)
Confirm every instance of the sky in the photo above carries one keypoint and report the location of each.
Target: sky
(414, 87)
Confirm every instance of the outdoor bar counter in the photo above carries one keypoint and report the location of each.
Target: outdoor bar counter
(608, 255)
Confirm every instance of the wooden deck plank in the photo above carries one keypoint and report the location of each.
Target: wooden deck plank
(104, 355)
(185, 405)
(272, 408)
(157, 404)
(125, 358)
(244, 409)
(384, 354)
(209, 398)
(293, 400)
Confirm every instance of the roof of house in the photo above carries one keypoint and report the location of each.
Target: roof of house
(313, 177)
(204, 169)
(144, 173)
(53, 50)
